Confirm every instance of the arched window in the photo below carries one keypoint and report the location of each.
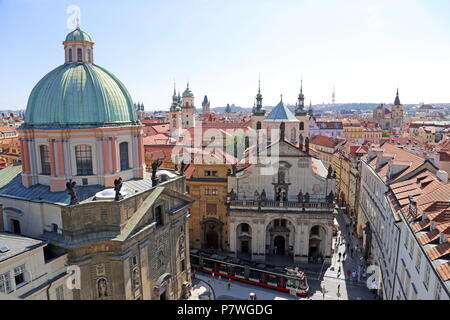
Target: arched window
(302, 126)
(258, 125)
(123, 149)
(45, 159)
(80, 55)
(83, 156)
(70, 55)
(89, 55)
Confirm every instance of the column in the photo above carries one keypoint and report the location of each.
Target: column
(61, 166)
(105, 156)
(114, 154)
(52, 158)
(232, 235)
(25, 156)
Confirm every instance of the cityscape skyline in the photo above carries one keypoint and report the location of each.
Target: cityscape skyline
(224, 61)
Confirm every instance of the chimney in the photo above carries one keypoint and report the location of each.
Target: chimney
(442, 176)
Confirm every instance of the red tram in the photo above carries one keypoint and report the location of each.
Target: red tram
(284, 279)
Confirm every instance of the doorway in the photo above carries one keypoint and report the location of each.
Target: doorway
(244, 246)
(279, 245)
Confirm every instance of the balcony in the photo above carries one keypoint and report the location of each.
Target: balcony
(284, 206)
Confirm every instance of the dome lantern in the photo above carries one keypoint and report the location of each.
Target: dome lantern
(78, 47)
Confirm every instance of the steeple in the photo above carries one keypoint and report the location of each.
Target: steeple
(205, 105)
(397, 100)
(310, 111)
(259, 108)
(300, 110)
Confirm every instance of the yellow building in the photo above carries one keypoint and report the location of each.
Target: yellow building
(208, 185)
(426, 134)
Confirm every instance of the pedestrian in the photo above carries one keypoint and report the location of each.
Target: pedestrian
(229, 284)
(220, 277)
(212, 276)
(193, 274)
(349, 273)
(354, 275)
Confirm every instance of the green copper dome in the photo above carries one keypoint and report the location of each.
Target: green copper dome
(188, 93)
(79, 95)
(78, 35)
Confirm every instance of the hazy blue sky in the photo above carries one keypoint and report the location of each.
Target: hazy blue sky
(367, 48)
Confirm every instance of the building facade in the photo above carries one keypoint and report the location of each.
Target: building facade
(282, 205)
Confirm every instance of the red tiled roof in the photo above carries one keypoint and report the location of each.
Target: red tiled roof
(444, 271)
(439, 251)
(325, 141)
(429, 237)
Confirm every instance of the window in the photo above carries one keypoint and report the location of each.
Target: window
(5, 283)
(83, 155)
(134, 261)
(123, 149)
(211, 191)
(19, 275)
(158, 216)
(60, 292)
(80, 55)
(210, 173)
(426, 277)
(89, 55)
(244, 227)
(211, 208)
(45, 159)
(258, 125)
(70, 55)
(302, 126)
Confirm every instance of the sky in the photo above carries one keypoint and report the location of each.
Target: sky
(365, 48)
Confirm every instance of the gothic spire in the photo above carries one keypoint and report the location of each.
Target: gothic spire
(397, 100)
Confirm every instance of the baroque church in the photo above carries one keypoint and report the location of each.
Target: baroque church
(389, 119)
(82, 186)
(282, 204)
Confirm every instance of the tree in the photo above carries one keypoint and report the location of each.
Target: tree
(386, 134)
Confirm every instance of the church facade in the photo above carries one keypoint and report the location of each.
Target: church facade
(82, 186)
(282, 205)
(389, 119)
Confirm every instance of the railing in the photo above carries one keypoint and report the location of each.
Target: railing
(279, 204)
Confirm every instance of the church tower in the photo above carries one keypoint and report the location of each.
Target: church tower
(397, 113)
(258, 113)
(205, 105)
(188, 109)
(175, 114)
(302, 115)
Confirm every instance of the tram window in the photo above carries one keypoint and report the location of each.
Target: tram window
(208, 264)
(273, 280)
(255, 275)
(239, 271)
(223, 268)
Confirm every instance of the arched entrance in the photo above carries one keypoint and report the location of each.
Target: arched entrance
(244, 238)
(317, 237)
(279, 245)
(212, 234)
(280, 238)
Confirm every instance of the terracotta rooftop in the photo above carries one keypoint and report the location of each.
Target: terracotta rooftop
(325, 141)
